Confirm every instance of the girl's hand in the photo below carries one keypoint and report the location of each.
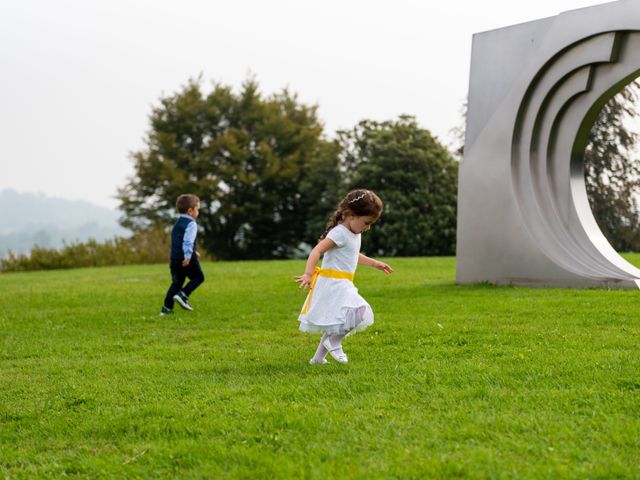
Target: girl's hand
(197, 254)
(304, 280)
(383, 267)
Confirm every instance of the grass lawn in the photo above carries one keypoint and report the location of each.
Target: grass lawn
(451, 381)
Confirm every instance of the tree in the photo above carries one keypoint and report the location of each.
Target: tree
(415, 176)
(457, 133)
(245, 156)
(612, 177)
(321, 190)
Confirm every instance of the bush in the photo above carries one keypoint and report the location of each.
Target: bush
(416, 178)
(146, 246)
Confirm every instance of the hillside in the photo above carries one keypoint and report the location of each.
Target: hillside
(34, 219)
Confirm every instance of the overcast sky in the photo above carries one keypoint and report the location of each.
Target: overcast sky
(78, 78)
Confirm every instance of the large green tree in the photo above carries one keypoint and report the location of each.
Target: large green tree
(415, 176)
(612, 174)
(321, 190)
(246, 156)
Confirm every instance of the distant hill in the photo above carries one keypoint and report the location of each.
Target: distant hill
(35, 219)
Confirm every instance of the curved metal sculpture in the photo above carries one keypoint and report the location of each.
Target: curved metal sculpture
(535, 91)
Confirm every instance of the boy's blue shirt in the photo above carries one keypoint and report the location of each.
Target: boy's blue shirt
(189, 235)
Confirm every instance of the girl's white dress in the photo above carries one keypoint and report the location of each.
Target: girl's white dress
(336, 307)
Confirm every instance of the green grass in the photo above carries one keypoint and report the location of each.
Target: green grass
(451, 381)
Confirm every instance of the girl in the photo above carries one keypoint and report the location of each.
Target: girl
(333, 305)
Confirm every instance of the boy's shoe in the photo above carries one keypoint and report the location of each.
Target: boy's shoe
(165, 311)
(182, 300)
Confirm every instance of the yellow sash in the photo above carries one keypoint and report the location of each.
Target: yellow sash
(324, 272)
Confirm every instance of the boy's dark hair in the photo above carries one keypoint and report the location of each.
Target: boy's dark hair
(186, 201)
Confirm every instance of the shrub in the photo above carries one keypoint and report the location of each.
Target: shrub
(146, 246)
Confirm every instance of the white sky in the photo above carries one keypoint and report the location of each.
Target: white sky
(78, 78)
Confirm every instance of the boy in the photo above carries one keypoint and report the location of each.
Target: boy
(184, 256)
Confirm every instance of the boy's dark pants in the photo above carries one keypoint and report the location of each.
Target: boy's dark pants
(178, 275)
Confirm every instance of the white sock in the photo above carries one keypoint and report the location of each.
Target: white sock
(321, 352)
(336, 341)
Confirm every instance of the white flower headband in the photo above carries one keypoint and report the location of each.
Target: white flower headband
(360, 197)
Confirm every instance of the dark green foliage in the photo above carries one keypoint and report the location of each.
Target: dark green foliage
(150, 245)
(612, 177)
(268, 180)
(415, 176)
(321, 191)
(245, 156)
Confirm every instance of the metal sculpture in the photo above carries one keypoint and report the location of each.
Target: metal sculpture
(535, 91)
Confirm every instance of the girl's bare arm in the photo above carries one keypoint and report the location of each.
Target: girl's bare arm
(364, 260)
(305, 279)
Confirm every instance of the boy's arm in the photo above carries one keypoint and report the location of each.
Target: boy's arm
(364, 260)
(188, 241)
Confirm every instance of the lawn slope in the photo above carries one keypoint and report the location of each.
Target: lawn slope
(451, 381)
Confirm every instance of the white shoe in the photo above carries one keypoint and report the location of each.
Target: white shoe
(324, 361)
(183, 302)
(336, 352)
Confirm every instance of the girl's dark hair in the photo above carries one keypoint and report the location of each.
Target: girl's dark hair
(361, 203)
(186, 201)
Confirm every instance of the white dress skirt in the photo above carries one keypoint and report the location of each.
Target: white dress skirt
(336, 307)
